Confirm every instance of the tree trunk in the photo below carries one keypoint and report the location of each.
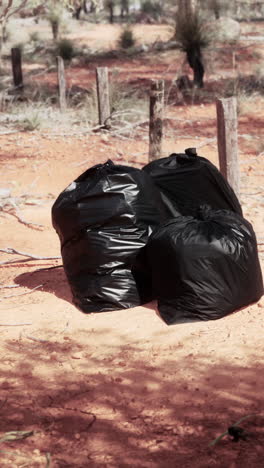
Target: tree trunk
(17, 67)
(124, 8)
(194, 57)
(77, 13)
(92, 7)
(186, 7)
(111, 12)
(55, 29)
(2, 33)
(84, 7)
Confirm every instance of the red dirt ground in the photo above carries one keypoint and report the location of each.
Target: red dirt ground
(121, 389)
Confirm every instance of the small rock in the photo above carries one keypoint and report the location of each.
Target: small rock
(4, 192)
(104, 138)
(224, 29)
(78, 355)
(77, 436)
(118, 380)
(53, 355)
(144, 48)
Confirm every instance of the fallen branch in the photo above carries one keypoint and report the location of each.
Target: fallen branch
(39, 340)
(42, 72)
(206, 142)
(8, 132)
(129, 127)
(14, 325)
(23, 293)
(16, 435)
(215, 441)
(8, 286)
(251, 194)
(49, 268)
(30, 257)
(20, 219)
(97, 128)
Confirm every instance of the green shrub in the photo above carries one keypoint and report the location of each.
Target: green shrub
(192, 37)
(29, 124)
(34, 36)
(218, 7)
(126, 39)
(190, 31)
(54, 16)
(65, 49)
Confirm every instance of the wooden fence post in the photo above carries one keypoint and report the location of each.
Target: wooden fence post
(226, 110)
(103, 94)
(155, 119)
(17, 67)
(61, 83)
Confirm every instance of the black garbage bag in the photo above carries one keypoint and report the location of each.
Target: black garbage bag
(103, 218)
(202, 268)
(187, 181)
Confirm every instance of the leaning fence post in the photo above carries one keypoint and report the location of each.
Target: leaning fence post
(155, 119)
(61, 83)
(17, 67)
(226, 110)
(103, 94)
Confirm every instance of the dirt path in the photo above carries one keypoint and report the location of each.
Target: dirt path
(115, 389)
(120, 389)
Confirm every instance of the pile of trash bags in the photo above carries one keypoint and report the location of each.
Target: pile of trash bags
(173, 231)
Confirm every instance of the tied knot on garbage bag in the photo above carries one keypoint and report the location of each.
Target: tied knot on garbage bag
(187, 181)
(204, 213)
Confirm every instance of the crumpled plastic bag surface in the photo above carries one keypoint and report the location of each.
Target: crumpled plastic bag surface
(188, 181)
(202, 268)
(103, 218)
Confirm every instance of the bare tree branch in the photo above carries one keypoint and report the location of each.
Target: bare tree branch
(6, 9)
(9, 11)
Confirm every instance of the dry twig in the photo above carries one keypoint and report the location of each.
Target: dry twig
(23, 293)
(39, 340)
(9, 286)
(17, 215)
(16, 435)
(215, 441)
(30, 257)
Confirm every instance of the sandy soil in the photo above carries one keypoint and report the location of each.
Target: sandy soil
(121, 389)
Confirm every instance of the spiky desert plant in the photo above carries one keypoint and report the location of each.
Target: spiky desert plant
(192, 37)
(126, 39)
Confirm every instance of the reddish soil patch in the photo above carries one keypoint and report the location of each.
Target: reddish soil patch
(121, 389)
